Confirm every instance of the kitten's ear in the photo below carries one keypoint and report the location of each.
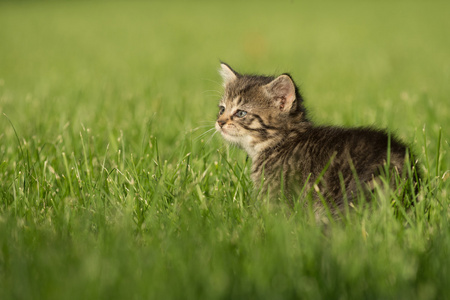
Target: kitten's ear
(227, 73)
(282, 89)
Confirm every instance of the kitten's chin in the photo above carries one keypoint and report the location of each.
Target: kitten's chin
(229, 135)
(225, 132)
(241, 141)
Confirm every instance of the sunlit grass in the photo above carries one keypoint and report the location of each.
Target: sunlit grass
(111, 186)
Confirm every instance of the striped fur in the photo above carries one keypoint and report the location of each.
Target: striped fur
(266, 117)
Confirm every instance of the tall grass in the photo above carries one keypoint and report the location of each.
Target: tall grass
(111, 186)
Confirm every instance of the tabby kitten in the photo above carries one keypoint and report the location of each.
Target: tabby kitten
(266, 117)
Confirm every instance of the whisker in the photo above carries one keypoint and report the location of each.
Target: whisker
(212, 91)
(213, 81)
(206, 122)
(199, 127)
(206, 132)
(203, 134)
(211, 137)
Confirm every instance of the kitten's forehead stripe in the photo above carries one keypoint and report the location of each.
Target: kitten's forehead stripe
(245, 84)
(238, 100)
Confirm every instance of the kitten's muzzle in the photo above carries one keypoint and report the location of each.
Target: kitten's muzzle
(221, 123)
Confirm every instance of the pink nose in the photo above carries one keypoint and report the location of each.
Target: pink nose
(221, 123)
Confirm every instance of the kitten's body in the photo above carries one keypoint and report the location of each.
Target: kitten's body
(266, 117)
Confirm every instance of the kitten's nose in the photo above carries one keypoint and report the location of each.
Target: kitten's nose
(221, 123)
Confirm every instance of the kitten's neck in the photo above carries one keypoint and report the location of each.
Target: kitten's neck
(257, 151)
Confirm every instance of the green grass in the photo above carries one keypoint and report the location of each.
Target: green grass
(108, 190)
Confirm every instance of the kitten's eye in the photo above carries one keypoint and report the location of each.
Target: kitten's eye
(240, 113)
(221, 110)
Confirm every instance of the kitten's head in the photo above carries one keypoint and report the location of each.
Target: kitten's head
(256, 112)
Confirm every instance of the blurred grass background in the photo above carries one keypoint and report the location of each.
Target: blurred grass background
(351, 59)
(99, 106)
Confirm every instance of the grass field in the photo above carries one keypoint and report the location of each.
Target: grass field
(109, 188)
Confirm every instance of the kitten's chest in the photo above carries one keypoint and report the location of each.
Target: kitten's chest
(291, 162)
(273, 168)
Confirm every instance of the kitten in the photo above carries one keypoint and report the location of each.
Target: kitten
(266, 117)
